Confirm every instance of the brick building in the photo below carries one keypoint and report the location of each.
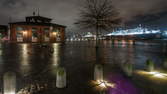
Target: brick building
(36, 29)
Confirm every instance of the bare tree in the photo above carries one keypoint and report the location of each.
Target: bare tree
(98, 14)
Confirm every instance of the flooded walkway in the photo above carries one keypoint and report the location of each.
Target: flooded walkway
(35, 67)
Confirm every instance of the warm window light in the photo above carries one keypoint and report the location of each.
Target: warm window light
(131, 42)
(54, 33)
(24, 32)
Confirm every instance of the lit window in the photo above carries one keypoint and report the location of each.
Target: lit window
(55, 30)
(19, 28)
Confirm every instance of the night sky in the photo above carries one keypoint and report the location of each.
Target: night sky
(65, 12)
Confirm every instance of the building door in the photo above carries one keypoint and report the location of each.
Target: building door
(34, 35)
(19, 37)
(40, 37)
(46, 35)
(19, 34)
(55, 35)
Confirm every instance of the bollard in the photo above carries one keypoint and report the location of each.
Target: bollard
(128, 69)
(150, 65)
(9, 83)
(61, 78)
(98, 72)
(165, 63)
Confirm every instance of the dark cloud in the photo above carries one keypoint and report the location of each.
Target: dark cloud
(65, 11)
(131, 8)
(12, 3)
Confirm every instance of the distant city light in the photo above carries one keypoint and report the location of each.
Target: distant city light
(165, 33)
(135, 31)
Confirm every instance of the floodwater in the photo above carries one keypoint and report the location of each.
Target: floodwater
(35, 67)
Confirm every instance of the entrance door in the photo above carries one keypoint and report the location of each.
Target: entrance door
(19, 37)
(19, 34)
(34, 35)
(46, 35)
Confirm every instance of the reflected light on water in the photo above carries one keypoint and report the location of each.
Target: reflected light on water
(116, 41)
(131, 42)
(24, 48)
(102, 85)
(0, 52)
(0, 49)
(24, 64)
(55, 59)
(10, 93)
(159, 75)
(56, 54)
(153, 74)
(24, 54)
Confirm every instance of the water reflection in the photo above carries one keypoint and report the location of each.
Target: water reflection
(24, 54)
(1, 53)
(0, 49)
(55, 59)
(78, 58)
(56, 54)
(24, 62)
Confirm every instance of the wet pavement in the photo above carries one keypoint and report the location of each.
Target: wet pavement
(36, 66)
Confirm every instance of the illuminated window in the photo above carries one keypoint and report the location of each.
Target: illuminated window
(55, 30)
(56, 34)
(19, 36)
(19, 28)
(19, 33)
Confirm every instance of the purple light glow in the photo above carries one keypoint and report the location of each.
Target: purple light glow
(122, 85)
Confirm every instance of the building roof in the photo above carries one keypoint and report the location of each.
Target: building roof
(39, 17)
(36, 23)
(37, 20)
